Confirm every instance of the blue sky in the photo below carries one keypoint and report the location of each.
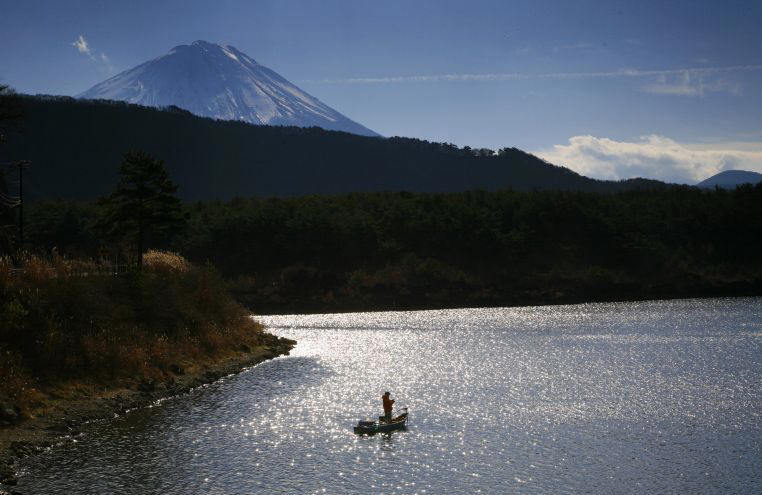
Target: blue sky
(612, 89)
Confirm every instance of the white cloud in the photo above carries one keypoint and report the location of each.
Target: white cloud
(83, 46)
(654, 157)
(692, 81)
(581, 46)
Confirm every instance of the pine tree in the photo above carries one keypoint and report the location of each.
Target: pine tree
(143, 204)
(10, 113)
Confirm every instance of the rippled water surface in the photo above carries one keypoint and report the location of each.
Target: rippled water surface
(598, 398)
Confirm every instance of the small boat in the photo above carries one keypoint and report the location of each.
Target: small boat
(381, 426)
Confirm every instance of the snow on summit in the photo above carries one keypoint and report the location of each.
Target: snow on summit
(222, 82)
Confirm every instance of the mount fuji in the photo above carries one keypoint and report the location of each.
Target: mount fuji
(222, 82)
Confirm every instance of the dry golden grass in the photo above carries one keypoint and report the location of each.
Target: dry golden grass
(34, 270)
(6, 265)
(68, 320)
(165, 262)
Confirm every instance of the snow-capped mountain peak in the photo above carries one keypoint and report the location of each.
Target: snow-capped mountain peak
(220, 81)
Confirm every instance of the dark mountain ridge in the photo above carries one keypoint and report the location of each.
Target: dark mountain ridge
(76, 146)
(731, 179)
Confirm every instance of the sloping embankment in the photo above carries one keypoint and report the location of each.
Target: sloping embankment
(64, 409)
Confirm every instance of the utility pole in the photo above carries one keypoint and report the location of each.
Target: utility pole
(21, 164)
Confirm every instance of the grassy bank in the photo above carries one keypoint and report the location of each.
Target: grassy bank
(67, 323)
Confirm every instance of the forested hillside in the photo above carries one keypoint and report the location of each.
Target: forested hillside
(75, 148)
(412, 250)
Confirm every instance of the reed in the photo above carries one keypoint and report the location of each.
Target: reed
(64, 319)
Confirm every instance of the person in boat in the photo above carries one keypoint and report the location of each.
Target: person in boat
(388, 405)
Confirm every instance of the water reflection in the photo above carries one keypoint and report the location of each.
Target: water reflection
(627, 397)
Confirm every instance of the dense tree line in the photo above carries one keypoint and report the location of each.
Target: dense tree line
(76, 147)
(415, 250)
(10, 113)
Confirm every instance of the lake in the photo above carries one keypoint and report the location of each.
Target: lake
(638, 397)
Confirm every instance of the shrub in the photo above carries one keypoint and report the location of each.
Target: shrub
(69, 318)
(165, 262)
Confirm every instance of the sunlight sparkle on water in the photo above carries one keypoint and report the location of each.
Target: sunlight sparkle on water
(640, 397)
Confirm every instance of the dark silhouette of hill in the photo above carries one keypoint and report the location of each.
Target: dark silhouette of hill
(76, 146)
(731, 179)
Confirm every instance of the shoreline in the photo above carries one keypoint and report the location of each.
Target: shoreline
(67, 412)
(383, 308)
(67, 407)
